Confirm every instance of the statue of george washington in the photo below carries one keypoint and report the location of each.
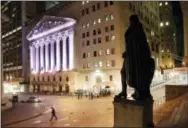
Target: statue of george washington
(138, 66)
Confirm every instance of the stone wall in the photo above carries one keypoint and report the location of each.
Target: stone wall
(174, 91)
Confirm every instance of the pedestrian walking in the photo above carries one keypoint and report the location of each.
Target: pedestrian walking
(53, 114)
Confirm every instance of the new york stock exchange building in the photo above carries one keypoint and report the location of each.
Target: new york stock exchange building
(52, 55)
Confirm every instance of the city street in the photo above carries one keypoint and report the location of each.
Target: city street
(70, 112)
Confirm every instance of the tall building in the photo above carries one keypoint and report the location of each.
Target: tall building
(167, 33)
(15, 17)
(184, 6)
(81, 44)
(178, 33)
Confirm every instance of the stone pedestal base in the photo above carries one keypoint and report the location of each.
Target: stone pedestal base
(130, 113)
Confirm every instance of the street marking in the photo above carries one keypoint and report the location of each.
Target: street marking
(37, 122)
(75, 120)
(67, 125)
(66, 118)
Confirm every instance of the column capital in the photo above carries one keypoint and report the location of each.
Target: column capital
(70, 31)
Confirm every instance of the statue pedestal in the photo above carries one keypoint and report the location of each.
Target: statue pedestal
(131, 113)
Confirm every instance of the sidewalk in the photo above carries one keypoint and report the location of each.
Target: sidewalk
(21, 112)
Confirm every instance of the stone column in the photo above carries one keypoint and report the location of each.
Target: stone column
(34, 58)
(46, 57)
(57, 54)
(71, 49)
(52, 54)
(64, 54)
(37, 58)
(41, 58)
(31, 58)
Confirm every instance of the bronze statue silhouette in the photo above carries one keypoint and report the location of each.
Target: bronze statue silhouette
(138, 66)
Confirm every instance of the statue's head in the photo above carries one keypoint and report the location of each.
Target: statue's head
(133, 19)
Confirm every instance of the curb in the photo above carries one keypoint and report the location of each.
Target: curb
(40, 114)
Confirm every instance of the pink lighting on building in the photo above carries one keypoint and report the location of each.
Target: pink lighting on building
(45, 53)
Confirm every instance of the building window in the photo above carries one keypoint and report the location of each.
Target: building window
(88, 43)
(87, 24)
(107, 38)
(67, 78)
(111, 2)
(86, 78)
(112, 27)
(94, 41)
(88, 65)
(160, 4)
(83, 35)
(99, 40)
(99, 20)
(100, 63)
(83, 26)
(108, 63)
(111, 78)
(166, 3)
(87, 34)
(83, 12)
(105, 3)
(167, 23)
(93, 8)
(54, 78)
(88, 55)
(107, 51)
(113, 63)
(95, 53)
(168, 56)
(111, 16)
(96, 64)
(94, 22)
(94, 32)
(60, 79)
(84, 66)
(106, 29)
(100, 52)
(106, 18)
(161, 24)
(99, 31)
(48, 78)
(87, 10)
(112, 37)
(113, 51)
(162, 56)
(84, 55)
(98, 6)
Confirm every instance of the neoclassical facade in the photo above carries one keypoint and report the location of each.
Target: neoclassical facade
(51, 53)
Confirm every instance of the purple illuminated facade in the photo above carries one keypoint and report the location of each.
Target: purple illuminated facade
(52, 45)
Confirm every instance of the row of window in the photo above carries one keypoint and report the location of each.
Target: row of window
(99, 20)
(108, 63)
(48, 78)
(164, 23)
(110, 78)
(161, 3)
(98, 31)
(95, 7)
(100, 53)
(98, 40)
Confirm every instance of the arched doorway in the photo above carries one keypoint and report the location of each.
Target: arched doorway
(38, 88)
(98, 79)
(67, 88)
(60, 88)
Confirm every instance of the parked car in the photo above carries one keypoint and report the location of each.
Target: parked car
(33, 99)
